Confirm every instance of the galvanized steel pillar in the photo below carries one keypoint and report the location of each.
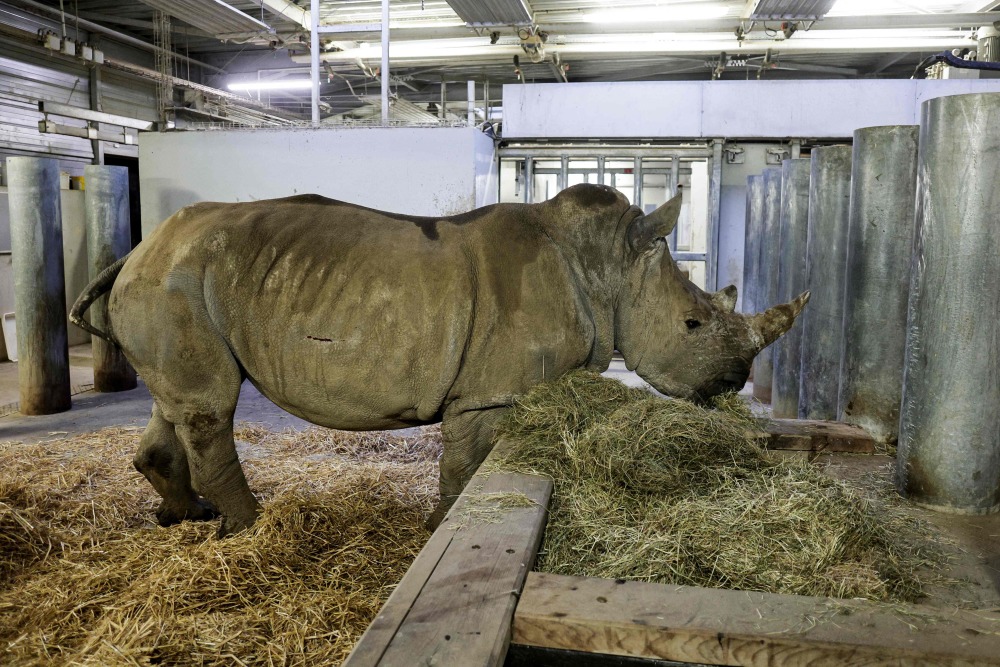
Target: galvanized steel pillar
(108, 239)
(39, 290)
(826, 257)
(793, 224)
(768, 277)
(880, 241)
(949, 439)
(751, 244)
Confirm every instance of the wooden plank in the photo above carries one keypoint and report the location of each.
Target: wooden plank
(455, 604)
(817, 436)
(726, 627)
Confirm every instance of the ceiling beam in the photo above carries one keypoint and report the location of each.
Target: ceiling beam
(979, 6)
(290, 11)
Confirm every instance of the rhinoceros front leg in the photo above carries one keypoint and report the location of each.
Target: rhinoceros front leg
(162, 460)
(468, 439)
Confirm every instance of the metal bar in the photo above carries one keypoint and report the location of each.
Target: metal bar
(349, 28)
(93, 116)
(637, 182)
(767, 280)
(471, 97)
(714, 215)
(95, 89)
(314, 60)
(443, 109)
(674, 180)
(529, 180)
(600, 169)
(385, 62)
(611, 152)
(564, 173)
(92, 133)
(689, 256)
(39, 286)
(109, 237)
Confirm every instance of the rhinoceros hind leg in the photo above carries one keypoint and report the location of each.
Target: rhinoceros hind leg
(468, 439)
(161, 459)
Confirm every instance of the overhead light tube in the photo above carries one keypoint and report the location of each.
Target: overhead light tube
(287, 84)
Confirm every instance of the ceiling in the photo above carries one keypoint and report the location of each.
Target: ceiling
(435, 41)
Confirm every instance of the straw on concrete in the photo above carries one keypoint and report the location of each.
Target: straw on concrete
(673, 492)
(93, 582)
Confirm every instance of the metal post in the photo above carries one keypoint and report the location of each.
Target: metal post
(108, 239)
(879, 245)
(675, 175)
(714, 216)
(529, 180)
(563, 172)
(314, 58)
(767, 281)
(949, 438)
(385, 62)
(793, 223)
(751, 244)
(637, 181)
(826, 259)
(471, 97)
(39, 287)
(600, 169)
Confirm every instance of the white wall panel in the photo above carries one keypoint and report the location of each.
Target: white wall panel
(710, 109)
(418, 171)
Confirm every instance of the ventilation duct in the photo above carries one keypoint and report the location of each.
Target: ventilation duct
(791, 10)
(215, 17)
(493, 12)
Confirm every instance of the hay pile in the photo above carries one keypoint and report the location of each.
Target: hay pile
(86, 578)
(672, 492)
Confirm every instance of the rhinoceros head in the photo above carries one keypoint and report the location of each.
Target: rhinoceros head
(683, 341)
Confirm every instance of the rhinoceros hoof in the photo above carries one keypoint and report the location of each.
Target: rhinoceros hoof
(232, 525)
(198, 510)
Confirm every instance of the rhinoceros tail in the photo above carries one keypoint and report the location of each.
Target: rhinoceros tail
(102, 284)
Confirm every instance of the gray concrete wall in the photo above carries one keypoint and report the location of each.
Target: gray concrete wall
(418, 171)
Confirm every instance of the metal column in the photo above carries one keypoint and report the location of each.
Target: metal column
(471, 95)
(751, 244)
(529, 180)
(314, 59)
(949, 438)
(637, 182)
(714, 213)
(39, 288)
(384, 73)
(826, 259)
(108, 239)
(793, 223)
(767, 280)
(879, 245)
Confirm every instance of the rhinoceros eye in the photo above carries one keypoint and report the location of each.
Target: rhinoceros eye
(692, 324)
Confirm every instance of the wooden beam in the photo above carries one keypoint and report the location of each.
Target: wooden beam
(727, 627)
(807, 435)
(455, 604)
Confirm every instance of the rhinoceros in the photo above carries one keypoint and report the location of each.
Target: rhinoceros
(358, 319)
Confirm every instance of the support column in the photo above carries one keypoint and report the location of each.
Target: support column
(949, 438)
(751, 243)
(793, 223)
(39, 287)
(826, 259)
(108, 239)
(768, 277)
(879, 245)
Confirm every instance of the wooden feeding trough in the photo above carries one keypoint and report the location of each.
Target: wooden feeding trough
(469, 599)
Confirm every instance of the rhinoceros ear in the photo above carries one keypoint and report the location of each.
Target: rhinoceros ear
(777, 320)
(647, 228)
(725, 299)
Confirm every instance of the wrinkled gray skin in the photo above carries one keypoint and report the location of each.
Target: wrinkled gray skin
(358, 319)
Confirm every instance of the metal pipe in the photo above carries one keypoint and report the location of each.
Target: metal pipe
(471, 97)
(443, 110)
(385, 62)
(793, 223)
(751, 244)
(714, 215)
(314, 59)
(637, 182)
(563, 172)
(768, 276)
(39, 284)
(826, 259)
(877, 280)
(529, 180)
(949, 437)
(108, 239)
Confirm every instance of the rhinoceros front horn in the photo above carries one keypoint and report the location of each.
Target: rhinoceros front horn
(777, 320)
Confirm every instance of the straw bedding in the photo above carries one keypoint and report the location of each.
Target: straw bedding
(672, 492)
(86, 578)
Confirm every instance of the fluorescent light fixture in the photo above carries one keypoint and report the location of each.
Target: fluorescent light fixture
(658, 14)
(289, 84)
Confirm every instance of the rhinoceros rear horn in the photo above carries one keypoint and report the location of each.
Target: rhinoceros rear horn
(647, 228)
(777, 320)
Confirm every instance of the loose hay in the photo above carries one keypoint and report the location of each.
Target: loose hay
(87, 579)
(672, 492)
